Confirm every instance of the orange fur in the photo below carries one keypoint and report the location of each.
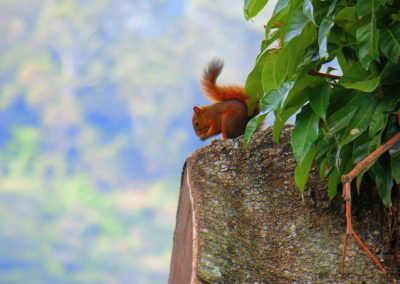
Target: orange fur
(220, 93)
(228, 115)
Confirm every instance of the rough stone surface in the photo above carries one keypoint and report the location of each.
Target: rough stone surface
(254, 226)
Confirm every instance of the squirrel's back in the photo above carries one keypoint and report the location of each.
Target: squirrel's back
(220, 93)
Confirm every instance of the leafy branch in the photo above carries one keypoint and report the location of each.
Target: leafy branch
(340, 120)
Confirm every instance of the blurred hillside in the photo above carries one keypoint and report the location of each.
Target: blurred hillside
(96, 101)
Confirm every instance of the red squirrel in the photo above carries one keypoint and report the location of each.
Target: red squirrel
(228, 115)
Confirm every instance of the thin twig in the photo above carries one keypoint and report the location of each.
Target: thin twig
(350, 232)
(346, 179)
(324, 75)
(371, 158)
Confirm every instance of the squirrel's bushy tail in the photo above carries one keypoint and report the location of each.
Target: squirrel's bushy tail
(220, 93)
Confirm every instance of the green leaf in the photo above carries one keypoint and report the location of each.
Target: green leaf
(325, 158)
(356, 77)
(319, 99)
(294, 101)
(390, 73)
(305, 132)
(308, 10)
(323, 34)
(280, 14)
(273, 99)
(253, 7)
(252, 126)
(283, 64)
(268, 103)
(367, 86)
(272, 38)
(280, 5)
(360, 121)
(293, 55)
(381, 113)
(393, 128)
(367, 42)
(395, 162)
(363, 146)
(332, 8)
(359, 181)
(336, 126)
(253, 86)
(270, 78)
(389, 42)
(343, 161)
(304, 47)
(333, 181)
(381, 174)
(279, 123)
(302, 169)
(296, 24)
(367, 7)
(347, 14)
(341, 118)
(396, 17)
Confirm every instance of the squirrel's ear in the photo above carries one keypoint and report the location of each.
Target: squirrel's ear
(197, 110)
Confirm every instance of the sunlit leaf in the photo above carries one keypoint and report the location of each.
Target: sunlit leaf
(280, 12)
(272, 38)
(293, 103)
(253, 86)
(268, 103)
(346, 118)
(269, 77)
(253, 7)
(308, 10)
(280, 5)
(274, 99)
(296, 25)
(323, 34)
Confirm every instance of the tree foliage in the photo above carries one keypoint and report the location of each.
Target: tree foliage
(340, 119)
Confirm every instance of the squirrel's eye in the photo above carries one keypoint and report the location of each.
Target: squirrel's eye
(196, 123)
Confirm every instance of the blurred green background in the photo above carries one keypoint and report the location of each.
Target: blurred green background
(95, 125)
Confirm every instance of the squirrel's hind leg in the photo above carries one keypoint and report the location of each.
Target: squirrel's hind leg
(233, 125)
